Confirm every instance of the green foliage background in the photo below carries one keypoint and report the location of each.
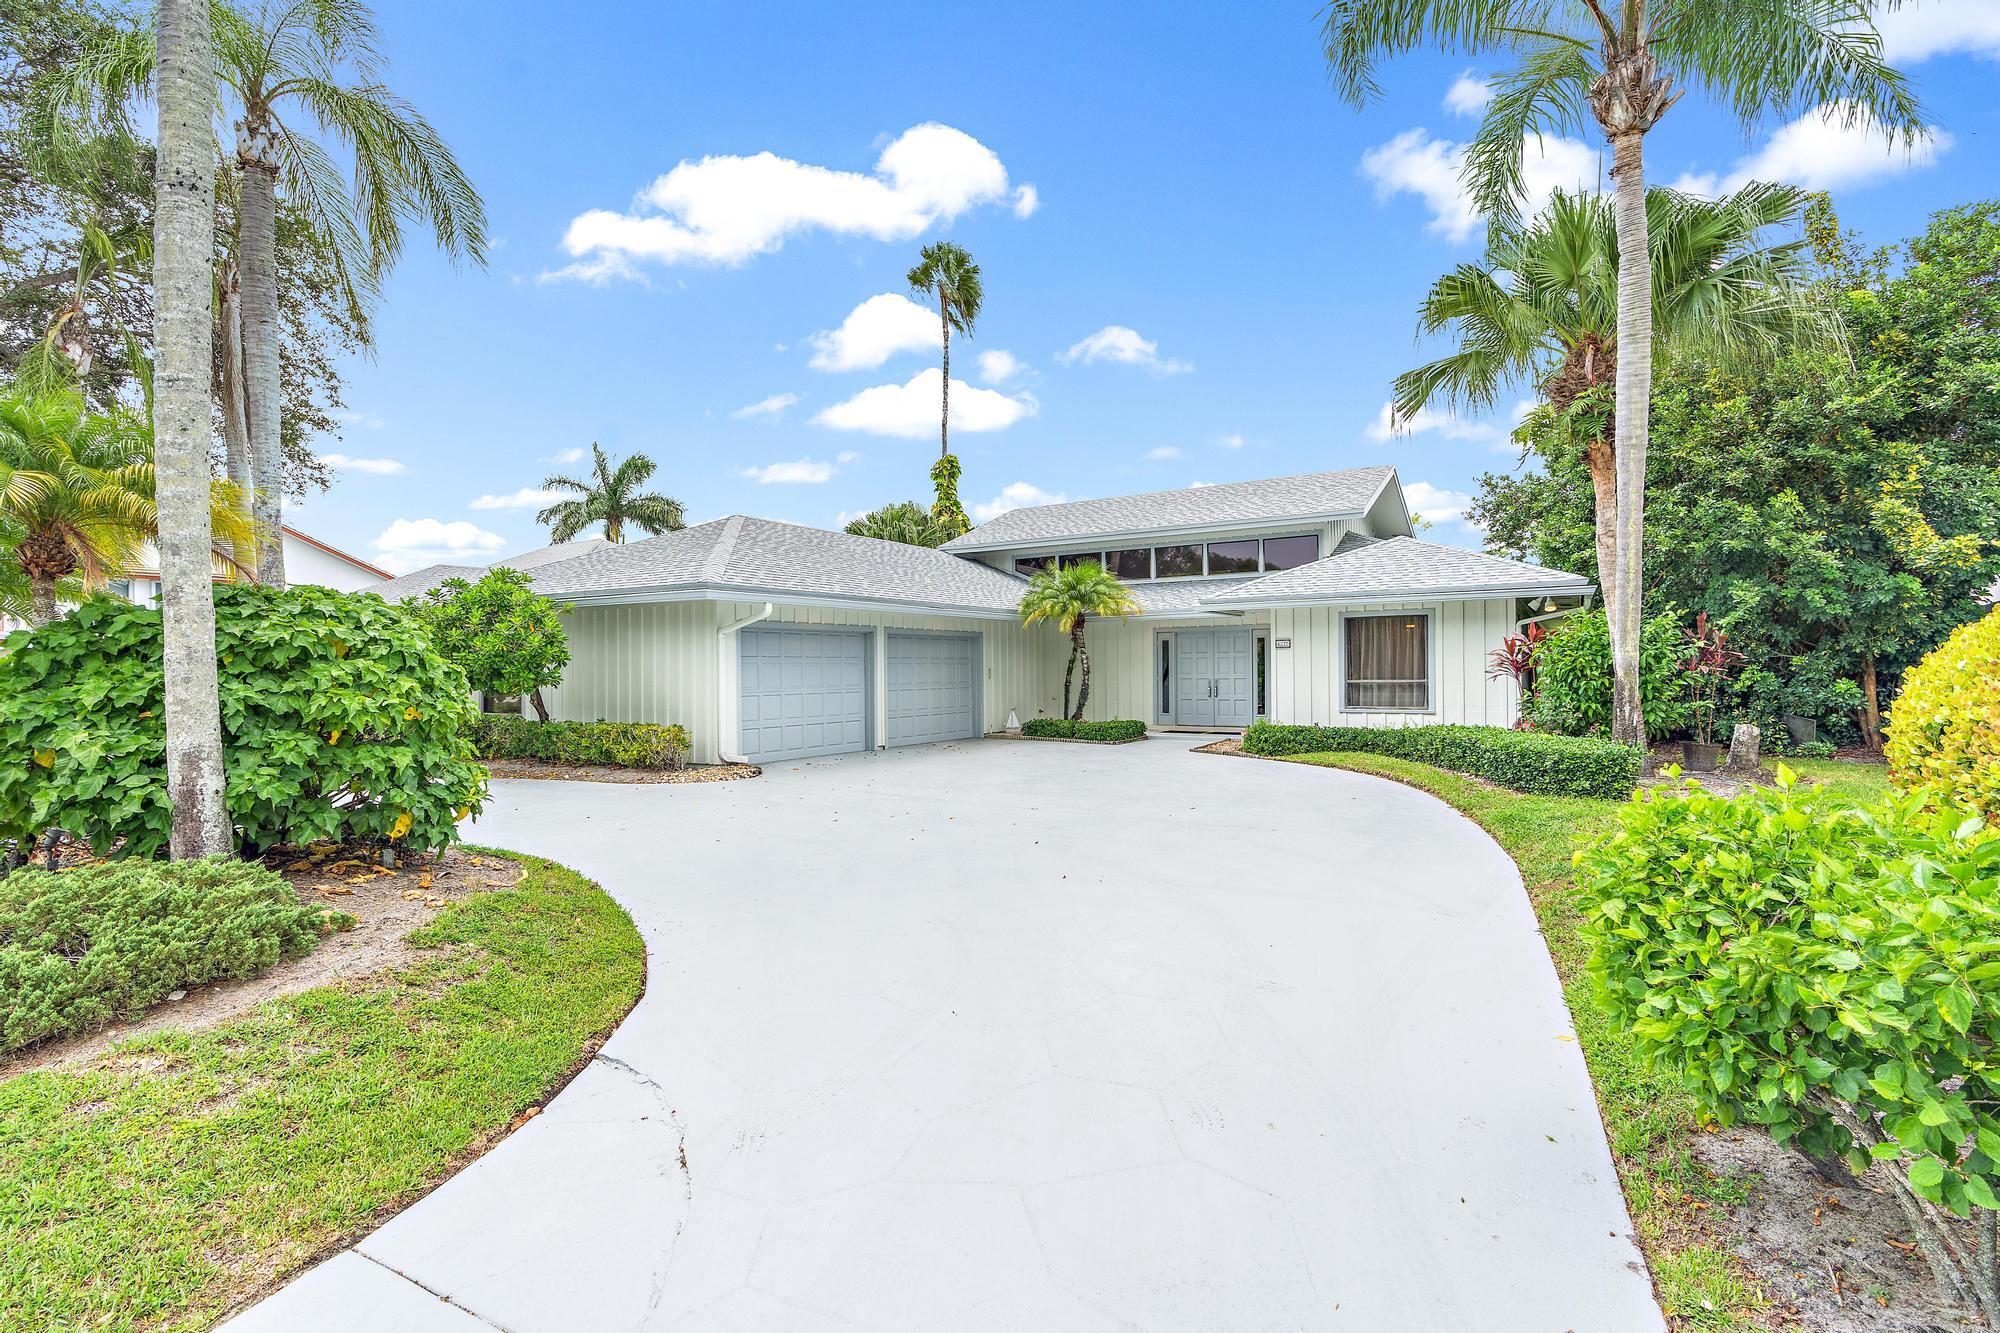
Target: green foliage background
(506, 637)
(1573, 676)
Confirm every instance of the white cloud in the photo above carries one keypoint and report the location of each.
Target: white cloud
(1162, 453)
(874, 331)
(803, 471)
(846, 457)
(1468, 95)
(910, 410)
(998, 366)
(774, 406)
(412, 543)
(1415, 163)
(365, 420)
(1233, 440)
(1943, 27)
(1026, 200)
(1427, 421)
(1435, 503)
(380, 467)
(1822, 150)
(528, 497)
(1016, 495)
(569, 456)
(727, 209)
(1116, 343)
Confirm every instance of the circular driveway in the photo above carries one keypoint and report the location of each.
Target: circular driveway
(1017, 1035)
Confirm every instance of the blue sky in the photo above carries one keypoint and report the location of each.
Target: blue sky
(1203, 265)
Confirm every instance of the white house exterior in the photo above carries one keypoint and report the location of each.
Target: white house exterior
(307, 560)
(1297, 599)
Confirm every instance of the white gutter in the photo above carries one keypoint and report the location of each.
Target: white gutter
(730, 702)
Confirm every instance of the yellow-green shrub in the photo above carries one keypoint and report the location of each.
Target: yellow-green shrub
(1944, 730)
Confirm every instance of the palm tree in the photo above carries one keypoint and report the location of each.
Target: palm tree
(1542, 309)
(946, 272)
(79, 495)
(611, 498)
(905, 521)
(1618, 62)
(1068, 596)
(183, 248)
(320, 57)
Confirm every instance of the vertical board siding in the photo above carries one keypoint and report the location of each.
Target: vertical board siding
(1122, 663)
(1305, 678)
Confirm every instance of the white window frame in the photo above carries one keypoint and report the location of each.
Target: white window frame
(1201, 543)
(1430, 616)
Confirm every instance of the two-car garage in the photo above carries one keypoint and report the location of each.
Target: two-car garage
(806, 691)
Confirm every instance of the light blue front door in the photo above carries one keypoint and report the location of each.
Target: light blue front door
(1215, 682)
(803, 692)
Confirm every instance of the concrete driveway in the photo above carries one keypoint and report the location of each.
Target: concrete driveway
(1016, 1035)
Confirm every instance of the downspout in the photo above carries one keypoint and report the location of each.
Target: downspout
(731, 702)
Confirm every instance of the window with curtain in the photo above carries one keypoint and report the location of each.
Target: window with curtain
(1388, 663)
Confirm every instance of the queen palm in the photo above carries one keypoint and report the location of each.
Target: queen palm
(1068, 596)
(1542, 310)
(1621, 65)
(293, 69)
(611, 497)
(947, 274)
(905, 521)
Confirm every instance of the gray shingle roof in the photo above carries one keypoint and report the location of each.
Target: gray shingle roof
(760, 557)
(410, 586)
(1176, 596)
(1363, 568)
(548, 555)
(1315, 495)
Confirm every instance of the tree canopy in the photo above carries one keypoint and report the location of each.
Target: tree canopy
(506, 637)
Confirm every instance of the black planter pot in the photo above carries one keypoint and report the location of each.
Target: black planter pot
(1700, 756)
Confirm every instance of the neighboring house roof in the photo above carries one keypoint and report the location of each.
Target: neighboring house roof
(754, 558)
(1392, 568)
(1316, 495)
(335, 552)
(408, 587)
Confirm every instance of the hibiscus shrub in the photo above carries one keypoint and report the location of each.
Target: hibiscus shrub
(1827, 971)
(338, 722)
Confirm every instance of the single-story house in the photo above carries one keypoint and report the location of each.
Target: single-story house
(1298, 599)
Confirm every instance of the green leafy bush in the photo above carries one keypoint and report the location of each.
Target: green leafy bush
(506, 637)
(1823, 970)
(1944, 729)
(338, 722)
(1114, 729)
(1049, 726)
(81, 947)
(1573, 676)
(622, 744)
(1524, 760)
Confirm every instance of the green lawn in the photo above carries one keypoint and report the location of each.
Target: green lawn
(157, 1185)
(1648, 1119)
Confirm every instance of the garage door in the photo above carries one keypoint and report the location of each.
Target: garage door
(932, 692)
(804, 692)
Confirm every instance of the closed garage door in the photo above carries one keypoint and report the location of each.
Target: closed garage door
(932, 692)
(804, 692)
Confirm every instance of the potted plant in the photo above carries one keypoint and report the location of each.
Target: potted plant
(1710, 660)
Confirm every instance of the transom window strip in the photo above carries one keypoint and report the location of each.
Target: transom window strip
(1187, 560)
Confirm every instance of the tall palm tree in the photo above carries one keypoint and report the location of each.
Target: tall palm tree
(79, 496)
(1068, 596)
(183, 248)
(611, 497)
(1542, 309)
(905, 521)
(293, 68)
(946, 273)
(1623, 64)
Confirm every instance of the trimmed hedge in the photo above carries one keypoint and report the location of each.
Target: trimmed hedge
(620, 744)
(1528, 761)
(81, 947)
(1115, 729)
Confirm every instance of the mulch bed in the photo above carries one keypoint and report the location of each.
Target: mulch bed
(523, 768)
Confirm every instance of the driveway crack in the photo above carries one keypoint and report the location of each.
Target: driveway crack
(659, 1284)
(429, 1290)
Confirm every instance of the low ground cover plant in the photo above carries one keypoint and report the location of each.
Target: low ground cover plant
(1944, 730)
(82, 947)
(339, 723)
(1825, 969)
(1114, 729)
(1524, 760)
(620, 744)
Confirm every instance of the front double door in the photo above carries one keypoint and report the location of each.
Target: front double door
(1214, 678)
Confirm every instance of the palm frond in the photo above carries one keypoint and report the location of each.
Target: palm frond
(1357, 35)
(1777, 57)
(1546, 94)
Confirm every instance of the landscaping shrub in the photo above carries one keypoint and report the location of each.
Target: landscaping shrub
(1049, 726)
(1524, 760)
(1944, 728)
(1115, 729)
(1573, 676)
(338, 722)
(621, 744)
(1821, 969)
(81, 947)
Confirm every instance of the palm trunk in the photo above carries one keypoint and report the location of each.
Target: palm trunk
(1871, 705)
(944, 421)
(1069, 674)
(1602, 457)
(235, 411)
(183, 274)
(42, 602)
(1634, 395)
(1082, 655)
(257, 225)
